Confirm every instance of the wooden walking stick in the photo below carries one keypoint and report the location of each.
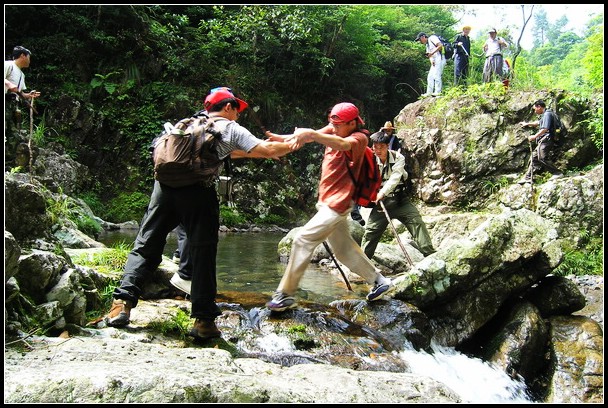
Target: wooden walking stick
(29, 144)
(390, 222)
(531, 175)
(326, 245)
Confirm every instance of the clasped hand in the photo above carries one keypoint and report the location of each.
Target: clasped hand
(296, 140)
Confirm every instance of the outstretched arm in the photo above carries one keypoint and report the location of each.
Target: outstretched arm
(265, 150)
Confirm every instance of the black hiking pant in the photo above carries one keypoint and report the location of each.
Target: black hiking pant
(195, 207)
(541, 159)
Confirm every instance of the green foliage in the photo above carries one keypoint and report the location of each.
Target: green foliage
(141, 65)
(109, 262)
(88, 225)
(126, 207)
(588, 260)
(93, 201)
(296, 328)
(179, 324)
(58, 208)
(272, 219)
(61, 207)
(595, 122)
(103, 81)
(230, 217)
(40, 130)
(491, 187)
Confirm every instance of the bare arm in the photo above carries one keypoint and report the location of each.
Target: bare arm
(265, 150)
(302, 136)
(530, 124)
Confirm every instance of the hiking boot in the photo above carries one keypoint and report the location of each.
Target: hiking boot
(120, 313)
(379, 289)
(281, 302)
(182, 284)
(205, 329)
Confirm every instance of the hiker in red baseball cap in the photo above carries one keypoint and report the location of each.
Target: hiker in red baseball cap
(344, 112)
(194, 206)
(223, 94)
(345, 145)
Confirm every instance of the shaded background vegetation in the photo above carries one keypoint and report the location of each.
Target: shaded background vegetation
(134, 67)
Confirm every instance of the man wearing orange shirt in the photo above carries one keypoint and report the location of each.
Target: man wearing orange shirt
(344, 146)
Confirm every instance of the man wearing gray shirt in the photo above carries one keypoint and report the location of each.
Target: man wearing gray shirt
(196, 208)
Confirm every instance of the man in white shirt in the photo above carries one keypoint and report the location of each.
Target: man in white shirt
(14, 84)
(494, 61)
(434, 53)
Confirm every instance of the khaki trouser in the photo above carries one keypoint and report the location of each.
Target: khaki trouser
(328, 225)
(406, 212)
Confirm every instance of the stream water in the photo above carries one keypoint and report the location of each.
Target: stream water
(249, 262)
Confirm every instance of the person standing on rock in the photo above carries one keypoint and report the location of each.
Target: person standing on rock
(344, 143)
(196, 208)
(398, 204)
(434, 52)
(540, 159)
(14, 84)
(494, 63)
(462, 54)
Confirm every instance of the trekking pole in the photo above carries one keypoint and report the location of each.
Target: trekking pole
(23, 100)
(531, 163)
(254, 115)
(531, 175)
(326, 245)
(29, 144)
(390, 222)
(465, 51)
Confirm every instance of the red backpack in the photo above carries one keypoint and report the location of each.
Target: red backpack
(368, 181)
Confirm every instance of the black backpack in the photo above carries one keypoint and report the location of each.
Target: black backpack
(186, 154)
(448, 48)
(558, 129)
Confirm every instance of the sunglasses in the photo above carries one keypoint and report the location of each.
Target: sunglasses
(221, 88)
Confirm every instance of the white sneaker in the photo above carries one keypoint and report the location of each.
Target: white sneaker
(181, 284)
(381, 287)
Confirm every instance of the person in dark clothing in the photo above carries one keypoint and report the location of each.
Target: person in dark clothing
(393, 143)
(196, 208)
(462, 53)
(544, 143)
(181, 256)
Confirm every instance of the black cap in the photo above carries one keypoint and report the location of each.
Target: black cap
(420, 35)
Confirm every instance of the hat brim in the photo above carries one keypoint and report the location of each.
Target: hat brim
(242, 104)
(340, 121)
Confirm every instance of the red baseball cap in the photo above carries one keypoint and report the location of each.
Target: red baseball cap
(220, 94)
(344, 112)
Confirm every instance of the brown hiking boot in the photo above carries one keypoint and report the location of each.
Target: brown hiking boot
(204, 329)
(120, 313)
